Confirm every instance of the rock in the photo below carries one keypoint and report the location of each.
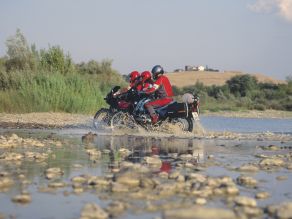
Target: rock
(271, 162)
(5, 182)
(153, 161)
(246, 181)
(79, 179)
(10, 156)
(270, 147)
(98, 181)
(88, 138)
(148, 183)
(281, 178)
(262, 195)
(248, 168)
(197, 177)
(199, 212)
(57, 184)
(53, 172)
(248, 211)
(93, 211)
(245, 201)
(116, 208)
(281, 211)
(119, 188)
(22, 199)
(200, 201)
(128, 179)
(93, 153)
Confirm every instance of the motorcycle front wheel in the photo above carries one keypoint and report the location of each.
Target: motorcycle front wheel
(122, 120)
(102, 117)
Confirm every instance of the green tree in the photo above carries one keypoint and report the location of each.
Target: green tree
(55, 60)
(242, 85)
(20, 56)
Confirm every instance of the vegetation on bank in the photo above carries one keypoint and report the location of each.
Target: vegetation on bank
(242, 92)
(45, 80)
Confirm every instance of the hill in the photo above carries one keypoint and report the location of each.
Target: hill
(187, 78)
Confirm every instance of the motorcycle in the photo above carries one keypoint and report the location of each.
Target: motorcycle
(183, 114)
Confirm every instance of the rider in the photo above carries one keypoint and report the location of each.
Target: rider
(162, 89)
(134, 83)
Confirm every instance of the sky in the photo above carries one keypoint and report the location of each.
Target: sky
(253, 36)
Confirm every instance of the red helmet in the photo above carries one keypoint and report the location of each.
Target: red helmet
(134, 75)
(146, 75)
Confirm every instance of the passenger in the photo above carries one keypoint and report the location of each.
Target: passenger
(146, 81)
(163, 90)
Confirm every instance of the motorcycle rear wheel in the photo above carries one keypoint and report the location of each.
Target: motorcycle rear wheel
(102, 117)
(186, 124)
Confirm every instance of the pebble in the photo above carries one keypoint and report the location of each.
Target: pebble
(153, 161)
(248, 168)
(53, 172)
(281, 211)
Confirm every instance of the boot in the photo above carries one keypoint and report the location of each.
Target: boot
(154, 119)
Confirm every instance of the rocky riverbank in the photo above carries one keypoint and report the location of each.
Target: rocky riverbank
(131, 177)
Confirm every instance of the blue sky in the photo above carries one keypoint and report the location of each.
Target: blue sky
(254, 36)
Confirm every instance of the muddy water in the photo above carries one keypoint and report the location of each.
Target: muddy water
(148, 175)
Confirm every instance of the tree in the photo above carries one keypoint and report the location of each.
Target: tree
(242, 85)
(19, 54)
(55, 60)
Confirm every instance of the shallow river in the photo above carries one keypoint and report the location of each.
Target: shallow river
(185, 155)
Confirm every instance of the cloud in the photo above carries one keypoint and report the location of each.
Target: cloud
(281, 7)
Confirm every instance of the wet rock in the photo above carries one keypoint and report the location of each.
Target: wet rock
(36, 156)
(246, 181)
(128, 179)
(271, 162)
(262, 195)
(116, 208)
(245, 201)
(281, 211)
(78, 179)
(248, 211)
(88, 138)
(77, 166)
(200, 201)
(97, 181)
(248, 168)
(57, 184)
(153, 161)
(197, 177)
(119, 188)
(148, 183)
(5, 182)
(22, 199)
(53, 172)
(93, 211)
(289, 166)
(93, 153)
(10, 156)
(198, 212)
(270, 147)
(281, 178)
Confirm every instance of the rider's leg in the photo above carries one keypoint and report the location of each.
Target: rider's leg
(156, 103)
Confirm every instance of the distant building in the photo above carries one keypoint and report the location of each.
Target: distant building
(201, 68)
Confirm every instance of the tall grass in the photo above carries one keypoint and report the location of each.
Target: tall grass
(49, 91)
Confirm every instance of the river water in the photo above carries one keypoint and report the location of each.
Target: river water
(184, 153)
